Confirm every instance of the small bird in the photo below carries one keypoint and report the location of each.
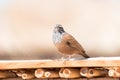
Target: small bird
(66, 43)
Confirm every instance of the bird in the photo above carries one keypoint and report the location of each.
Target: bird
(66, 43)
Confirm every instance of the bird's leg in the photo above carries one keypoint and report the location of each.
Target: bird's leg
(69, 57)
(65, 60)
(63, 57)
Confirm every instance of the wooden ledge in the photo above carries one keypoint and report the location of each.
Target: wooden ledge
(106, 78)
(31, 64)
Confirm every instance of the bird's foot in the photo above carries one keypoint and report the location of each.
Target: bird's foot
(61, 59)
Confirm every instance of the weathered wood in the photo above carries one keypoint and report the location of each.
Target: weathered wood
(93, 72)
(97, 73)
(69, 73)
(7, 74)
(46, 73)
(104, 78)
(19, 72)
(52, 74)
(40, 73)
(91, 62)
(24, 74)
(21, 79)
(66, 79)
(28, 75)
(84, 71)
(70, 69)
(114, 71)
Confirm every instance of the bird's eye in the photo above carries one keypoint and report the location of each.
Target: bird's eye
(68, 43)
(60, 28)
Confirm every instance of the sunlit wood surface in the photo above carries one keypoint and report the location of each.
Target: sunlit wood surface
(67, 79)
(91, 62)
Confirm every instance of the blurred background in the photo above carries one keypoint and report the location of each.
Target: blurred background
(26, 27)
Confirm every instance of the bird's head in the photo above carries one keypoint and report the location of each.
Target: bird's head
(58, 28)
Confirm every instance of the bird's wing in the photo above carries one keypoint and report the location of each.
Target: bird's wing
(71, 41)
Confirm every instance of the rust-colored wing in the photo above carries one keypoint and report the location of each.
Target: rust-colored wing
(71, 41)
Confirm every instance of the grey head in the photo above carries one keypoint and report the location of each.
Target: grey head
(58, 32)
(59, 29)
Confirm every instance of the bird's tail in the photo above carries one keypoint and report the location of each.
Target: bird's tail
(85, 55)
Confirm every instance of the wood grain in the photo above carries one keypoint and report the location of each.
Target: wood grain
(66, 79)
(31, 64)
(69, 73)
(7, 74)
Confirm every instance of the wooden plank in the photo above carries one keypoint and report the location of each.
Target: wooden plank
(28, 64)
(79, 79)
(66, 79)
(107, 78)
(21, 79)
(35, 79)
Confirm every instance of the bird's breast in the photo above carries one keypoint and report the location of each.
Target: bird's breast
(57, 38)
